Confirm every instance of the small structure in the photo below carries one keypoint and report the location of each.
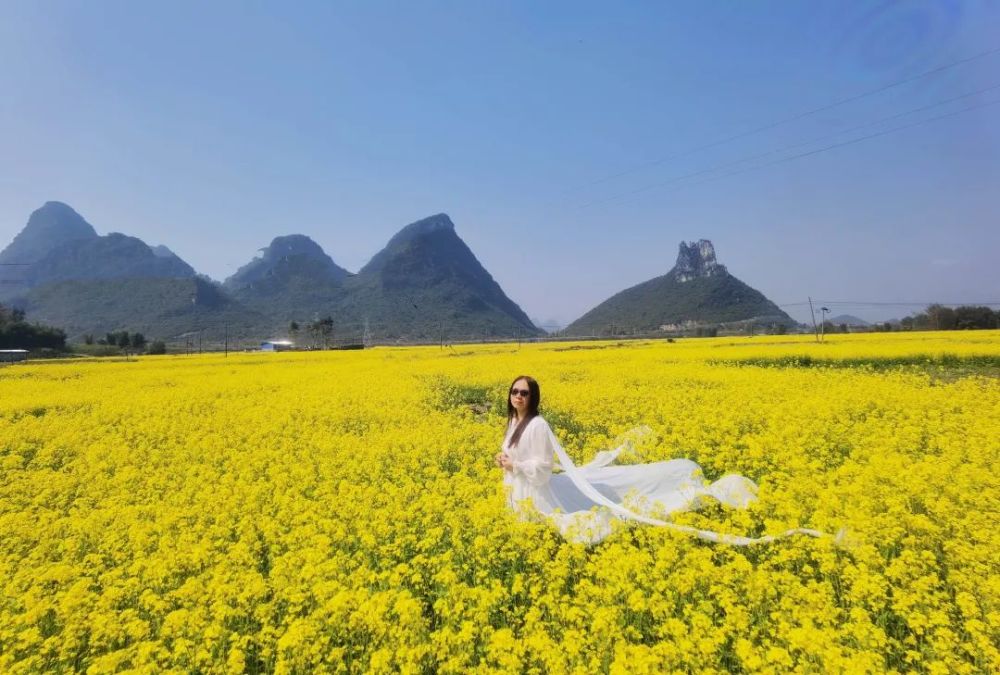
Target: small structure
(13, 355)
(277, 346)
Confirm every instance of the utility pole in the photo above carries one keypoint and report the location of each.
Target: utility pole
(194, 307)
(815, 329)
(227, 340)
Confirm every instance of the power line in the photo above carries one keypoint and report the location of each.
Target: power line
(749, 158)
(796, 117)
(861, 303)
(787, 159)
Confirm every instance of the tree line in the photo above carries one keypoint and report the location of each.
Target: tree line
(127, 342)
(17, 333)
(935, 317)
(320, 330)
(964, 317)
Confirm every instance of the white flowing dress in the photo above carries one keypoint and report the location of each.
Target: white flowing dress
(582, 501)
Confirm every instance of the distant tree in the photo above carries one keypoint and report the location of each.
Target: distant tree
(16, 333)
(968, 316)
(138, 341)
(326, 329)
(88, 339)
(887, 327)
(322, 329)
(10, 315)
(779, 329)
(157, 347)
(122, 339)
(941, 317)
(921, 321)
(842, 328)
(964, 317)
(293, 328)
(110, 339)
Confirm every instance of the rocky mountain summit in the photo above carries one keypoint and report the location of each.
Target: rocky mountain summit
(696, 260)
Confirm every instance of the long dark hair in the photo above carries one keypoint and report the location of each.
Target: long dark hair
(533, 401)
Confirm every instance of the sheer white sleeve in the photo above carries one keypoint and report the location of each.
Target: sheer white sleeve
(535, 464)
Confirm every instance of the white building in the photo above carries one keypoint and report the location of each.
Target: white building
(13, 355)
(277, 346)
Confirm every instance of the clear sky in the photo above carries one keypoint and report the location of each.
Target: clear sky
(537, 126)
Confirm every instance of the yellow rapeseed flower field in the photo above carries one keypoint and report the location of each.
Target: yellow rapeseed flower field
(340, 511)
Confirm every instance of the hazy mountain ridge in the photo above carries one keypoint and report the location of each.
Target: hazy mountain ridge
(284, 258)
(850, 320)
(112, 256)
(159, 307)
(57, 245)
(424, 284)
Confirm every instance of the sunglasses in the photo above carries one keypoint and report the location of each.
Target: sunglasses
(523, 393)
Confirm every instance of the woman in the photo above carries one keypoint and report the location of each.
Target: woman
(527, 453)
(582, 501)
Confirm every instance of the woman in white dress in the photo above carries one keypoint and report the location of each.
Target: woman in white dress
(582, 501)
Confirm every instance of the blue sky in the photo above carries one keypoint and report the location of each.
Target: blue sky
(214, 127)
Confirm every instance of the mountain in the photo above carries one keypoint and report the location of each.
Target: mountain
(292, 279)
(69, 276)
(161, 251)
(113, 256)
(425, 284)
(49, 227)
(848, 319)
(159, 307)
(286, 261)
(548, 325)
(698, 289)
(57, 245)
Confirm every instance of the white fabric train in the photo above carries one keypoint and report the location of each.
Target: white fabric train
(673, 485)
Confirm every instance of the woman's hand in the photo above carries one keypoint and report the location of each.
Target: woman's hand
(504, 461)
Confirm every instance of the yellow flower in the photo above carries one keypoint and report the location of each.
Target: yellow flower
(340, 512)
